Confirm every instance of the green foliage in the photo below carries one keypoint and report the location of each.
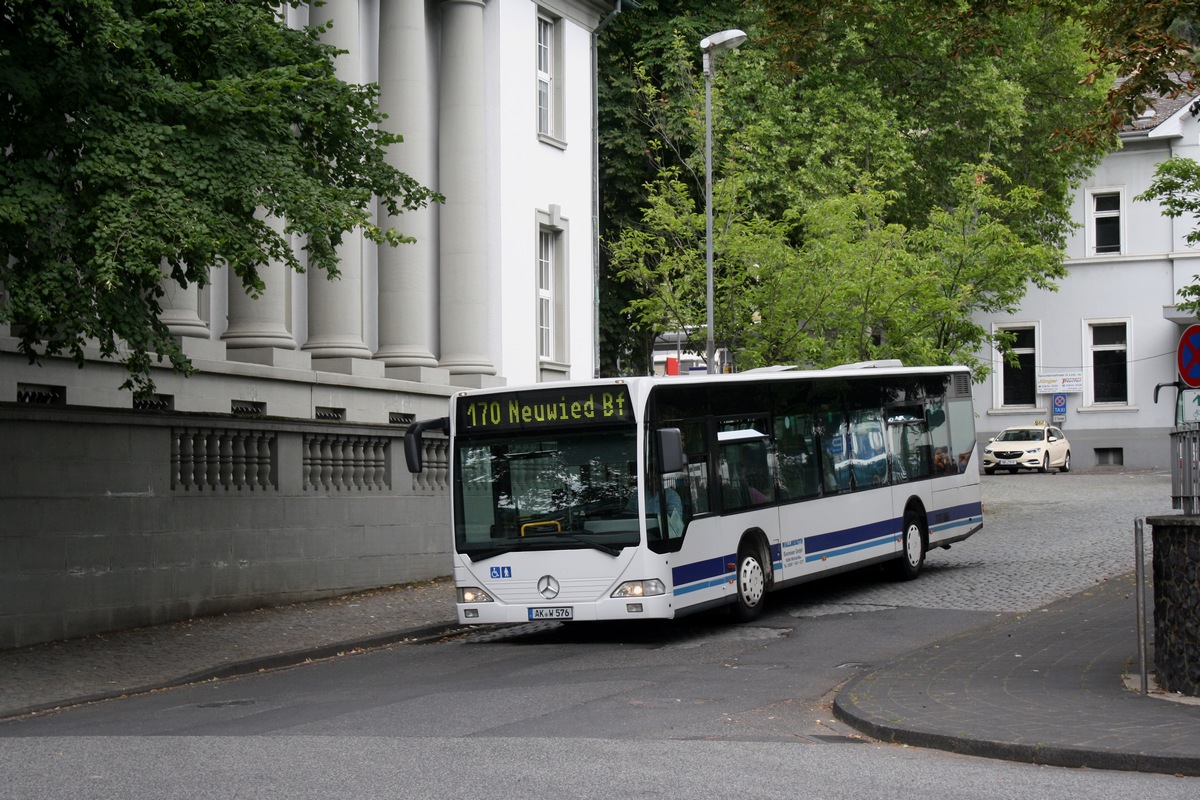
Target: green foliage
(881, 173)
(858, 288)
(150, 137)
(647, 61)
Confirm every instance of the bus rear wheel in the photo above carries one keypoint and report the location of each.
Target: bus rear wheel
(751, 584)
(912, 556)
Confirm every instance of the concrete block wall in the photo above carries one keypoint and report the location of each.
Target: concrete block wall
(98, 534)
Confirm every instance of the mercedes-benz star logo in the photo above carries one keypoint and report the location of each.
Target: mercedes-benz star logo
(548, 587)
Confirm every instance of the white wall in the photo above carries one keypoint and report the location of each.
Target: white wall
(532, 176)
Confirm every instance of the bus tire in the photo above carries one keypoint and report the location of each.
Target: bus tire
(912, 547)
(751, 583)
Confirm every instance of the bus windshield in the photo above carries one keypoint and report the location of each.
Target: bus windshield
(547, 490)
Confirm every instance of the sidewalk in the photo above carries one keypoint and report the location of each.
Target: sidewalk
(1047, 687)
(48, 676)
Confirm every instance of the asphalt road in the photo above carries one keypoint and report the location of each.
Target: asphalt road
(694, 707)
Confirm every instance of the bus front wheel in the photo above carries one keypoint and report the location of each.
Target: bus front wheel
(751, 584)
(912, 557)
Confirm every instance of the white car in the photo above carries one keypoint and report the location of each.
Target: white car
(1040, 447)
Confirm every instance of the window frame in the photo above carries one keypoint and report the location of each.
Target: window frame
(1090, 348)
(545, 293)
(553, 228)
(548, 78)
(1001, 365)
(1094, 216)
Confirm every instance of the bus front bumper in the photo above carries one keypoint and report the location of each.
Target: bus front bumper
(656, 607)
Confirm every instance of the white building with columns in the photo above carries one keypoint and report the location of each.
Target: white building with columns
(274, 473)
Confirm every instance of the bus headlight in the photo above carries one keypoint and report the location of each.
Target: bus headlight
(472, 594)
(647, 588)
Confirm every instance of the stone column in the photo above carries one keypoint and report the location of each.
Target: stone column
(260, 322)
(1176, 567)
(335, 308)
(181, 307)
(462, 179)
(407, 273)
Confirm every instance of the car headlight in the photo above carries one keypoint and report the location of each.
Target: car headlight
(647, 588)
(473, 594)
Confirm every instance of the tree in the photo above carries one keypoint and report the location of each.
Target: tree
(845, 172)
(645, 50)
(858, 288)
(148, 139)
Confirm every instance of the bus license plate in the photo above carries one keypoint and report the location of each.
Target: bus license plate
(550, 613)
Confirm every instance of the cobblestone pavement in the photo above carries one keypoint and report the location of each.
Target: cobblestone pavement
(1044, 537)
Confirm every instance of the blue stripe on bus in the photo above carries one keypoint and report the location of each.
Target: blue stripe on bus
(890, 539)
(956, 517)
(705, 570)
(852, 539)
(958, 523)
(695, 587)
(717, 571)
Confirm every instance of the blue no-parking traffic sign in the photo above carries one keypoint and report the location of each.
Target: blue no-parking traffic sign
(1188, 357)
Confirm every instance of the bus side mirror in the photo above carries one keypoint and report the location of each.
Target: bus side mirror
(412, 440)
(670, 450)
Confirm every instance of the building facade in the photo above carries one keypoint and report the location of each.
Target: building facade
(1107, 339)
(275, 473)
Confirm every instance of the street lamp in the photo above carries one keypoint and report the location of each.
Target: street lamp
(725, 40)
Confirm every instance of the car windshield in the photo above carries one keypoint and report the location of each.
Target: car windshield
(1020, 435)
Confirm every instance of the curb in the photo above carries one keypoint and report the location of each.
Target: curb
(845, 710)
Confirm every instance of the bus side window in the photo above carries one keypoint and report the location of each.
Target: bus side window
(795, 443)
(749, 480)
(691, 483)
(835, 453)
(962, 432)
(944, 460)
(908, 441)
(869, 460)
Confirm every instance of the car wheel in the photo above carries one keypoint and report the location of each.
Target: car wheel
(1045, 463)
(1066, 467)
(912, 545)
(751, 584)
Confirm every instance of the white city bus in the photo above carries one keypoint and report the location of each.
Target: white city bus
(658, 497)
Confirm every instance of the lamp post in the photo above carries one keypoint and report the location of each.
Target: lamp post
(725, 40)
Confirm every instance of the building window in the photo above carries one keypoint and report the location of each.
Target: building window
(1018, 379)
(1109, 362)
(1106, 222)
(549, 79)
(551, 284)
(545, 299)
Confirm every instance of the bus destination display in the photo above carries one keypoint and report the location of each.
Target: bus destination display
(580, 406)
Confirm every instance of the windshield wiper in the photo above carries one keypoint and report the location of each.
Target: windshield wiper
(603, 548)
(480, 555)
